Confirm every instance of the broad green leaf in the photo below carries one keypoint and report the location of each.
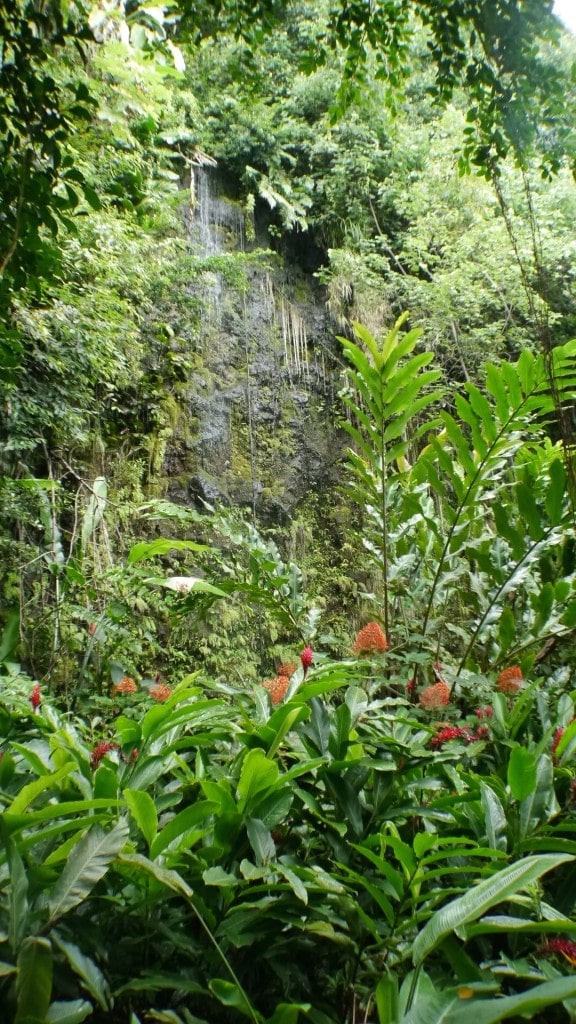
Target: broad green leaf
(88, 863)
(295, 883)
(94, 981)
(144, 812)
(386, 997)
(482, 897)
(529, 510)
(182, 826)
(17, 896)
(556, 492)
(521, 773)
(289, 718)
(288, 1013)
(258, 774)
(494, 817)
(165, 876)
(34, 980)
(230, 994)
(261, 841)
(161, 546)
(340, 732)
(447, 1008)
(29, 793)
(72, 1012)
(541, 801)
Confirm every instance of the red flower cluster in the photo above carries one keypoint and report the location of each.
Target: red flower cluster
(369, 639)
(287, 668)
(510, 680)
(458, 732)
(436, 696)
(35, 697)
(126, 685)
(100, 750)
(160, 692)
(450, 732)
(277, 688)
(565, 947)
(411, 688)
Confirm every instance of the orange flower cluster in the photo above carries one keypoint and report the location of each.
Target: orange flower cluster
(126, 685)
(160, 692)
(277, 688)
(510, 680)
(287, 668)
(436, 696)
(370, 638)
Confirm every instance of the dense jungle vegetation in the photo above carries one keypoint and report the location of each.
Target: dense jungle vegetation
(309, 755)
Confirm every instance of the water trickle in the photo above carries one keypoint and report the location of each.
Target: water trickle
(219, 224)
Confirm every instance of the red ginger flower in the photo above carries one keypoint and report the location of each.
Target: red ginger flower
(435, 696)
(35, 697)
(277, 688)
(126, 685)
(100, 750)
(564, 947)
(370, 638)
(557, 737)
(160, 692)
(510, 680)
(450, 732)
(307, 657)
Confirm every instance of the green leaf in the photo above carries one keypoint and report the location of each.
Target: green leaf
(17, 896)
(88, 863)
(34, 980)
(386, 997)
(94, 981)
(144, 812)
(165, 876)
(258, 775)
(447, 1008)
(161, 546)
(295, 883)
(288, 1013)
(521, 773)
(183, 827)
(261, 841)
(555, 492)
(478, 900)
(494, 817)
(230, 994)
(72, 1012)
(540, 802)
(29, 793)
(529, 510)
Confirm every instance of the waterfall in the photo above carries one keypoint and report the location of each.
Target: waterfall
(261, 378)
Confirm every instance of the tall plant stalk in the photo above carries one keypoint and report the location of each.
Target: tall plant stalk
(388, 392)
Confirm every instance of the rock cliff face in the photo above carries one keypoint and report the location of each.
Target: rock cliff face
(262, 394)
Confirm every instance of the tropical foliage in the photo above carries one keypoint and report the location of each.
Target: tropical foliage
(317, 766)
